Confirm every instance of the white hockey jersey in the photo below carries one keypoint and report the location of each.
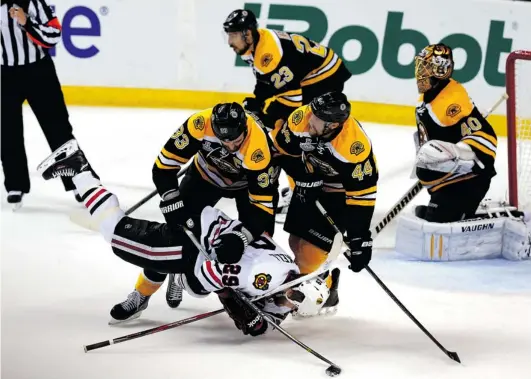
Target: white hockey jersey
(263, 266)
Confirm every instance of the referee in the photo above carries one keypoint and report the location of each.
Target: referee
(29, 29)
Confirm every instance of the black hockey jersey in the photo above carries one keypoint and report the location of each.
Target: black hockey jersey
(450, 115)
(346, 163)
(284, 63)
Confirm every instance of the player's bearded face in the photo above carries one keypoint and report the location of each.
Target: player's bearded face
(238, 43)
(318, 127)
(234, 145)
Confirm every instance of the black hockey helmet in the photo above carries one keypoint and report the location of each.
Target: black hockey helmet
(229, 121)
(240, 20)
(331, 107)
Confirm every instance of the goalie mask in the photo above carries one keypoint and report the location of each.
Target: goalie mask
(433, 63)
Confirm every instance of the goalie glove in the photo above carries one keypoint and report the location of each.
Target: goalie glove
(447, 157)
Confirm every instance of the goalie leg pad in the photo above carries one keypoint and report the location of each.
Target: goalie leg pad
(453, 241)
(482, 238)
(516, 240)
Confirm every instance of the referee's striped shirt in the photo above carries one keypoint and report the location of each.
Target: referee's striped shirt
(27, 44)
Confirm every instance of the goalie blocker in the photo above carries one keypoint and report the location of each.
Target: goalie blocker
(480, 238)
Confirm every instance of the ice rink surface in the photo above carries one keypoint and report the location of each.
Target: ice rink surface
(59, 282)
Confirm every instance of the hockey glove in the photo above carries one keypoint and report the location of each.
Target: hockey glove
(174, 211)
(245, 319)
(360, 252)
(229, 247)
(252, 105)
(307, 191)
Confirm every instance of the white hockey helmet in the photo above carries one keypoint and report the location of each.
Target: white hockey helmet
(309, 297)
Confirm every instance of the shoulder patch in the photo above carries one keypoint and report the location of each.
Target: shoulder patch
(199, 123)
(297, 117)
(261, 281)
(357, 148)
(266, 59)
(257, 156)
(453, 110)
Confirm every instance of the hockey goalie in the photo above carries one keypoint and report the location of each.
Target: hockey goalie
(456, 150)
(259, 267)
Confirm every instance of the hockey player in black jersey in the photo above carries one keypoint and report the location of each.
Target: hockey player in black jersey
(290, 70)
(456, 144)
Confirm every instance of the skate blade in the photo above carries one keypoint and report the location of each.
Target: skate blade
(68, 148)
(15, 207)
(113, 321)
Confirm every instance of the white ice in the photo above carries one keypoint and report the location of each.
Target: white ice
(60, 281)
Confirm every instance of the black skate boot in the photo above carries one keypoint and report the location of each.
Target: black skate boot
(129, 309)
(15, 199)
(66, 161)
(174, 292)
(330, 306)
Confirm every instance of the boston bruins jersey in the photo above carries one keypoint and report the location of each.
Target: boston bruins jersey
(450, 115)
(251, 166)
(284, 63)
(346, 163)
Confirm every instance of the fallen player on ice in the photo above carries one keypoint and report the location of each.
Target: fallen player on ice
(264, 265)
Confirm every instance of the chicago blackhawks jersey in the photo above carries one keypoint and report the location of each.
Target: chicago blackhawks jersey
(448, 114)
(250, 167)
(264, 265)
(346, 163)
(284, 63)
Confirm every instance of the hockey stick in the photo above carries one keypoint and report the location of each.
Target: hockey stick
(81, 217)
(332, 256)
(332, 370)
(147, 332)
(451, 354)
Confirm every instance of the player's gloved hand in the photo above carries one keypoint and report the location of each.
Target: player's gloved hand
(360, 251)
(229, 247)
(173, 209)
(245, 319)
(251, 104)
(307, 191)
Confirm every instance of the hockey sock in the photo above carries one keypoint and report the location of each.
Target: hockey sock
(102, 205)
(149, 282)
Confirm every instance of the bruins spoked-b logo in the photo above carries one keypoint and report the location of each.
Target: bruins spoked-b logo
(261, 281)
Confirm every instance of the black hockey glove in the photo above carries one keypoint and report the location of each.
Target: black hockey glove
(307, 191)
(245, 319)
(360, 252)
(229, 247)
(252, 105)
(174, 211)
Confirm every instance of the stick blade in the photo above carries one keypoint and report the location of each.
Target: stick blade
(336, 247)
(453, 355)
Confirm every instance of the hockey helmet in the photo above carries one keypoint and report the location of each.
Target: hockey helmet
(240, 20)
(309, 297)
(433, 63)
(229, 121)
(331, 107)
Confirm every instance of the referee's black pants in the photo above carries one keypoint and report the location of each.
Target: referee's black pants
(38, 84)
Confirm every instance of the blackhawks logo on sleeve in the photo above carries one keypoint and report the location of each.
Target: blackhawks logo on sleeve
(261, 281)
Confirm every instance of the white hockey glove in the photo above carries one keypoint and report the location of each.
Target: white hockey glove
(447, 157)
